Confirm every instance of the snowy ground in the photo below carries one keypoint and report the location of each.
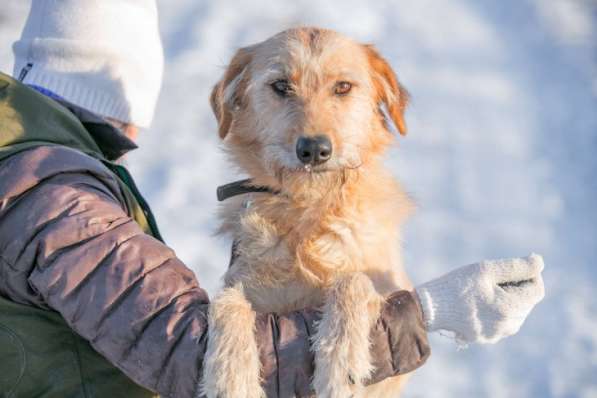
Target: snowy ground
(500, 157)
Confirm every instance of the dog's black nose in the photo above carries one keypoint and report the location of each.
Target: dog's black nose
(314, 150)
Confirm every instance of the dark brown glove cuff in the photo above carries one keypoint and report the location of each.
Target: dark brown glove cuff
(398, 340)
(398, 345)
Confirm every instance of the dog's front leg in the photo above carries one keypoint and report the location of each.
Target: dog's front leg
(341, 344)
(231, 365)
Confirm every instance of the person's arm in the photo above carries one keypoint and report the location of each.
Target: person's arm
(479, 303)
(120, 289)
(66, 230)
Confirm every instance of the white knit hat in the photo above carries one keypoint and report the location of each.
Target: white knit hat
(102, 55)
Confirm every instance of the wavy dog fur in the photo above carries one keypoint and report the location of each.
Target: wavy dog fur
(330, 238)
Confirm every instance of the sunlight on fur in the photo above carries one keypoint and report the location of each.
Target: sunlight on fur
(301, 113)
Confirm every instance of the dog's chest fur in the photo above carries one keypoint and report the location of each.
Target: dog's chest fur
(287, 253)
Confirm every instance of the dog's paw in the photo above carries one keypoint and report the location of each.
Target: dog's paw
(341, 344)
(231, 365)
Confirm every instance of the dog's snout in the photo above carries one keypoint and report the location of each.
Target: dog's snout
(314, 150)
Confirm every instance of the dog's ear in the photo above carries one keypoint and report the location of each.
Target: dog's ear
(389, 91)
(228, 93)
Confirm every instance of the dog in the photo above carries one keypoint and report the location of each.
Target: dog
(308, 114)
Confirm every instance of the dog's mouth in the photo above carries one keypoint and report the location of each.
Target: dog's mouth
(329, 168)
(312, 169)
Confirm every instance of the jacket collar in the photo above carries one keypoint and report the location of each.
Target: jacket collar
(111, 141)
(29, 118)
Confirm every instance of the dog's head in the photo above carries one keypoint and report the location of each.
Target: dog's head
(307, 103)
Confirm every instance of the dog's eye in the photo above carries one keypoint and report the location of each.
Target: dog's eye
(282, 87)
(342, 88)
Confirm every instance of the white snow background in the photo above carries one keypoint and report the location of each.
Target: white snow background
(500, 156)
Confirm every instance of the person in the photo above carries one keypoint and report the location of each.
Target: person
(92, 301)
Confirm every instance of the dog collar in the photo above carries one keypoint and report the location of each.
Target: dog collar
(240, 187)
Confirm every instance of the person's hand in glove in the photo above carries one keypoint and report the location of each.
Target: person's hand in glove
(483, 302)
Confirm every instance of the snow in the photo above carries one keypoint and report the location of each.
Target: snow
(500, 157)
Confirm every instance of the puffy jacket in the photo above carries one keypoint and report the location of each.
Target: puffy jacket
(77, 255)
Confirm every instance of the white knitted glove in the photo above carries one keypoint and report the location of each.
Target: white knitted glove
(483, 302)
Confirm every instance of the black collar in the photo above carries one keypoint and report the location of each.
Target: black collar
(239, 188)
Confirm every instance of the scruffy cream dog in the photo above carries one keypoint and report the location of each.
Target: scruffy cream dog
(303, 114)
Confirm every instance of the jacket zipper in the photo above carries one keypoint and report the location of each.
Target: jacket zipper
(25, 71)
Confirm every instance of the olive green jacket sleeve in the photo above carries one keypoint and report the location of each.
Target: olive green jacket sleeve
(68, 245)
